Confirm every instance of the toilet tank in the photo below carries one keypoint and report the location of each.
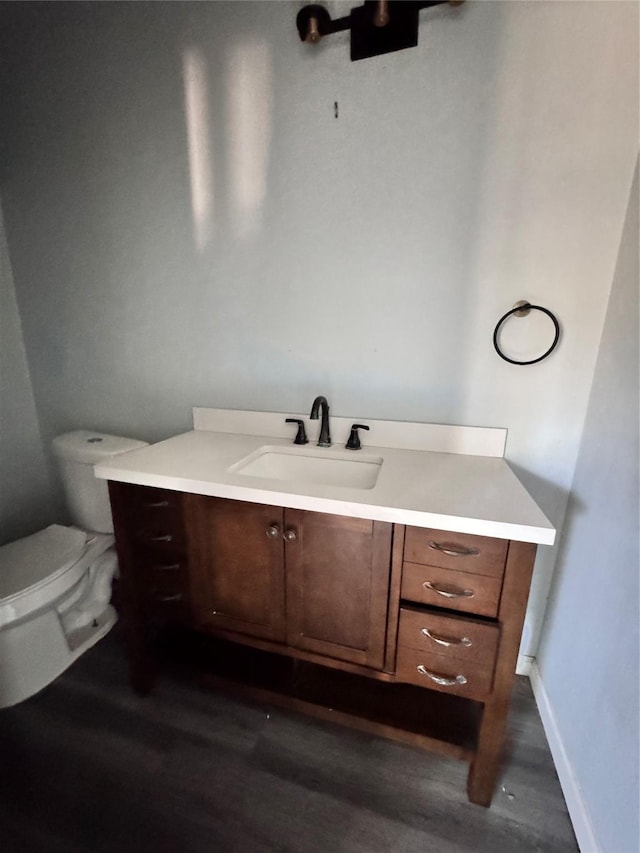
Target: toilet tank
(87, 497)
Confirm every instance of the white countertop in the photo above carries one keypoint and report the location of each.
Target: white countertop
(457, 491)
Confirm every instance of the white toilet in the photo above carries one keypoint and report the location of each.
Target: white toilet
(55, 586)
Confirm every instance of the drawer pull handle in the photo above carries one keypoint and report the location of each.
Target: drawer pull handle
(452, 592)
(167, 567)
(442, 680)
(273, 531)
(446, 641)
(155, 504)
(163, 537)
(177, 596)
(457, 551)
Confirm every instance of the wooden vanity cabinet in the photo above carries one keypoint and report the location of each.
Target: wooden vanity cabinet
(406, 632)
(237, 571)
(338, 572)
(447, 581)
(444, 572)
(152, 538)
(247, 560)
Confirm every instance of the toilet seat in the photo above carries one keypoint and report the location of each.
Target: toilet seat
(37, 570)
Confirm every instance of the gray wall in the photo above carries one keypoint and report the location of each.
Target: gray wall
(588, 658)
(25, 489)
(189, 223)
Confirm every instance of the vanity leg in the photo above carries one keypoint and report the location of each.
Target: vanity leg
(142, 662)
(140, 656)
(142, 673)
(485, 765)
(142, 666)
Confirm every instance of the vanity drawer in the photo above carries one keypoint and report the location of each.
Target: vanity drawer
(149, 497)
(448, 636)
(454, 590)
(462, 552)
(156, 516)
(447, 674)
(158, 543)
(162, 570)
(163, 584)
(158, 522)
(158, 535)
(149, 501)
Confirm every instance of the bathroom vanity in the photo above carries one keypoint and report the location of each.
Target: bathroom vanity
(390, 598)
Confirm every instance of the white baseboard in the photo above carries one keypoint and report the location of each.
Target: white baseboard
(523, 666)
(582, 826)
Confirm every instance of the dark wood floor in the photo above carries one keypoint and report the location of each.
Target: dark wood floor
(87, 765)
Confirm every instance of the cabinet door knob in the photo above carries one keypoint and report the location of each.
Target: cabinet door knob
(442, 680)
(273, 531)
(446, 641)
(453, 592)
(290, 535)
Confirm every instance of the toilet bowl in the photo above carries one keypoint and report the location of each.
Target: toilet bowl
(55, 585)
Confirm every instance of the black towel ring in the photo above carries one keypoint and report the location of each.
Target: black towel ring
(522, 309)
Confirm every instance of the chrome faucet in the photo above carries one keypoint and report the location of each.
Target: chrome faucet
(325, 437)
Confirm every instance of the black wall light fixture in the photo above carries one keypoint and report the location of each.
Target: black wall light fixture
(378, 26)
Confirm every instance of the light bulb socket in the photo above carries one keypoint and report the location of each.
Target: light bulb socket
(313, 22)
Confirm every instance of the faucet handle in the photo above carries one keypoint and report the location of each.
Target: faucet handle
(354, 439)
(301, 436)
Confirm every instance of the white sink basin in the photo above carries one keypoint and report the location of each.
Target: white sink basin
(318, 467)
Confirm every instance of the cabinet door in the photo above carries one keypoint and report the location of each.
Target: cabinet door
(236, 560)
(337, 585)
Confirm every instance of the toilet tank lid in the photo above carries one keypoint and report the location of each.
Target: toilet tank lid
(28, 561)
(83, 445)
